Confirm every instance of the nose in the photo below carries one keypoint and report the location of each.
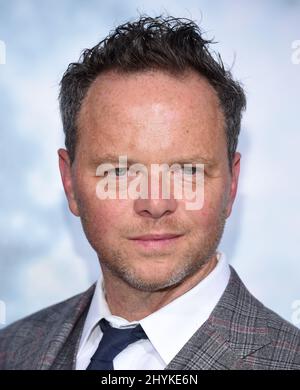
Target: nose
(157, 206)
(154, 208)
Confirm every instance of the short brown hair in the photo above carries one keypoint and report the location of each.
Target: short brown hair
(166, 43)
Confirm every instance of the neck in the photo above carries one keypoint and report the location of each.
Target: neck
(133, 305)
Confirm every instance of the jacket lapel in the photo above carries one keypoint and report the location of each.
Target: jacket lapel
(61, 343)
(236, 328)
(207, 350)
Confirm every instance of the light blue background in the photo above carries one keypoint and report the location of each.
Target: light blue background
(44, 256)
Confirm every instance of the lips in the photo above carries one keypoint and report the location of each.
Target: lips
(150, 242)
(156, 237)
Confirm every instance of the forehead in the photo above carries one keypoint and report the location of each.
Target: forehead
(151, 114)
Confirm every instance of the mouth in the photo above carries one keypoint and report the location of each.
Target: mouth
(156, 241)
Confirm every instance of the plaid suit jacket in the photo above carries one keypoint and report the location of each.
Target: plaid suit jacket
(240, 334)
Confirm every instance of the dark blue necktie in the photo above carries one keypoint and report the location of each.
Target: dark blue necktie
(113, 341)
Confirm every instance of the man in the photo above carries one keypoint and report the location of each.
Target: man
(166, 298)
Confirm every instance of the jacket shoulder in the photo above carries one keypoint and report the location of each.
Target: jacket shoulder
(285, 337)
(30, 332)
(275, 341)
(37, 317)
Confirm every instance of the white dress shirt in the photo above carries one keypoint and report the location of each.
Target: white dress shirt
(168, 329)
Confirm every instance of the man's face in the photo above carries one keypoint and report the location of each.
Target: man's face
(152, 118)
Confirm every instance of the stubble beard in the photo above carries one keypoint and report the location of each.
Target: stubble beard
(192, 260)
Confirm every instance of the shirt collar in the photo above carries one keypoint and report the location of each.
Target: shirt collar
(179, 319)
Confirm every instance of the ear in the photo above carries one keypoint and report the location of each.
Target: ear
(67, 180)
(233, 182)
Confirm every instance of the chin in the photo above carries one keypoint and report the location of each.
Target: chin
(153, 279)
(151, 285)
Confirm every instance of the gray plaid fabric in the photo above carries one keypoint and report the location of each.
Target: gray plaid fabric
(240, 334)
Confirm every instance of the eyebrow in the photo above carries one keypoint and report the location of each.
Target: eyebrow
(113, 159)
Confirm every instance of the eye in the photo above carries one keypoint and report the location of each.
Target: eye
(118, 172)
(189, 171)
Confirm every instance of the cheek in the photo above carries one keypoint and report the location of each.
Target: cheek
(107, 216)
(98, 215)
(202, 219)
(210, 213)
